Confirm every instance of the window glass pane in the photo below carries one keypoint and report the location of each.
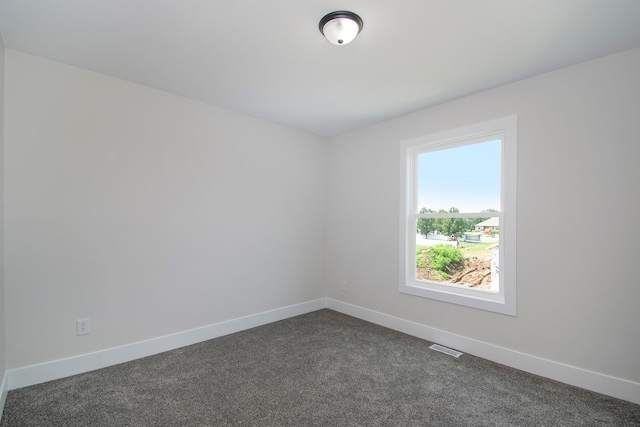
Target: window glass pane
(466, 178)
(469, 259)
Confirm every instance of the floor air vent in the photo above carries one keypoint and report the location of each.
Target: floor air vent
(445, 350)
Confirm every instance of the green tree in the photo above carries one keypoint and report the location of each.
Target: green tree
(426, 225)
(442, 224)
(447, 226)
(457, 226)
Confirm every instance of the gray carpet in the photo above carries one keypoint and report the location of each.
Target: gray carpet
(319, 369)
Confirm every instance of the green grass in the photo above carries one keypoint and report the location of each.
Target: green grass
(438, 257)
(469, 249)
(479, 250)
(421, 262)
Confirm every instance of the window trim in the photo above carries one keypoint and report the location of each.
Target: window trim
(505, 300)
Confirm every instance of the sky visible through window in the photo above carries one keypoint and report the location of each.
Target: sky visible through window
(466, 177)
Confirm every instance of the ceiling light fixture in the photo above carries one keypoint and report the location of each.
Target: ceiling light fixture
(340, 27)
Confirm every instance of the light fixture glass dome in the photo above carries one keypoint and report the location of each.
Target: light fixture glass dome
(340, 27)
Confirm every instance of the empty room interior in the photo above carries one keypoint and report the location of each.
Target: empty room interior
(178, 172)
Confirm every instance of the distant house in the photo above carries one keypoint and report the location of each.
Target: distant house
(489, 225)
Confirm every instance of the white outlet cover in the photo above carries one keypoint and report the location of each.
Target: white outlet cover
(82, 326)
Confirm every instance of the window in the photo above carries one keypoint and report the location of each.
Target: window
(458, 216)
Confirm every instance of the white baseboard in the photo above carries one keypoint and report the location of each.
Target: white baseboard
(36, 374)
(3, 393)
(600, 383)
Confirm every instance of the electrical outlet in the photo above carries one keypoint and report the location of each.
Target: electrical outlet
(82, 326)
(344, 285)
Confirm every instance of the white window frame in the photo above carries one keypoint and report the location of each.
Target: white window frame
(504, 300)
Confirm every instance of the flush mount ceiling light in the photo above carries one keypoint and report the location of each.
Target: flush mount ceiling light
(340, 27)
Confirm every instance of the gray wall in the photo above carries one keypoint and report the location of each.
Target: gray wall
(578, 175)
(147, 212)
(153, 214)
(2, 304)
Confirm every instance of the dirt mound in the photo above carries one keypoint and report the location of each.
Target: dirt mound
(470, 272)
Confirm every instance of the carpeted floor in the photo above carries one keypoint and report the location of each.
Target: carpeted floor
(319, 369)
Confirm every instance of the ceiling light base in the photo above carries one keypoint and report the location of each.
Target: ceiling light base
(340, 27)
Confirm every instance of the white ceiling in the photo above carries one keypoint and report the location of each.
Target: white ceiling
(268, 59)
